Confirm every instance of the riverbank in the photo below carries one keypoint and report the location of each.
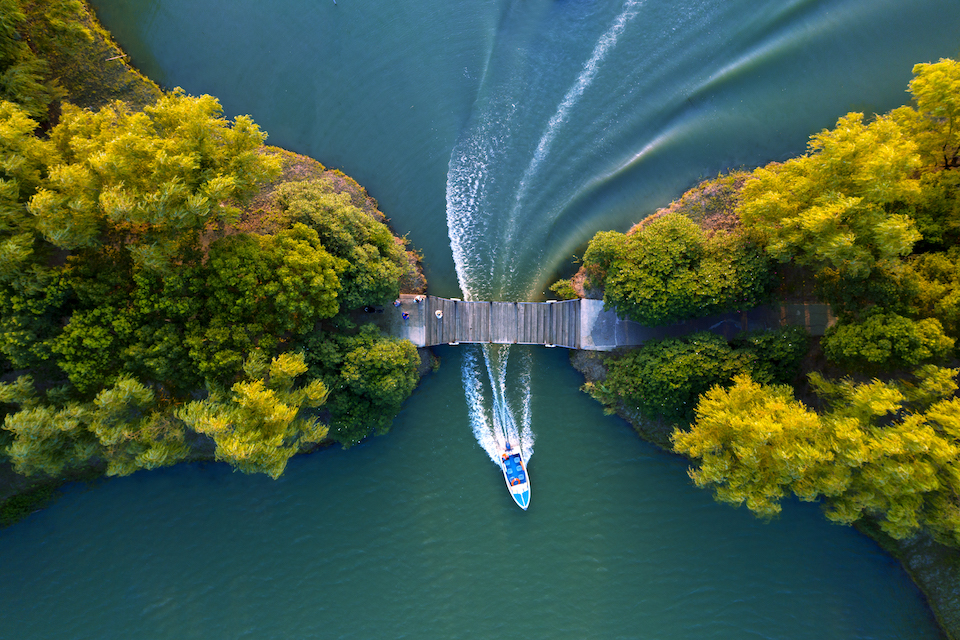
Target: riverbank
(934, 567)
(21, 495)
(91, 71)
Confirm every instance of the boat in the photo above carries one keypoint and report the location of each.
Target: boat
(516, 476)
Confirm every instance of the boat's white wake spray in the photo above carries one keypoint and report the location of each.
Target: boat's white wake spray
(607, 42)
(496, 426)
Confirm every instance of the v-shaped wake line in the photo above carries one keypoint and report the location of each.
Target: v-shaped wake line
(499, 403)
(587, 75)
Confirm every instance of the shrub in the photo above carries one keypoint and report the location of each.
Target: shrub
(886, 341)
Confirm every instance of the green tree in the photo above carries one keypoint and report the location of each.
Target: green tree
(375, 260)
(132, 431)
(935, 89)
(369, 376)
(886, 341)
(936, 288)
(45, 439)
(22, 73)
(260, 291)
(665, 378)
(668, 270)
(23, 163)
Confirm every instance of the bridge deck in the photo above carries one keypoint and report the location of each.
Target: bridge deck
(575, 324)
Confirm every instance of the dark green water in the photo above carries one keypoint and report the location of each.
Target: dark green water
(501, 136)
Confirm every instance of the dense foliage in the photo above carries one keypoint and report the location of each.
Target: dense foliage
(23, 74)
(880, 449)
(883, 342)
(872, 215)
(666, 377)
(872, 211)
(868, 194)
(669, 270)
(127, 289)
(370, 376)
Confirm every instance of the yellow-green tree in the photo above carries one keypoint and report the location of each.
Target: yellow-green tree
(884, 450)
(148, 180)
(842, 206)
(755, 444)
(262, 422)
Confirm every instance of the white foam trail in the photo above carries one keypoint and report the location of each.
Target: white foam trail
(590, 69)
(493, 423)
(467, 185)
(473, 390)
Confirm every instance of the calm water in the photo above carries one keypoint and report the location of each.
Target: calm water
(501, 136)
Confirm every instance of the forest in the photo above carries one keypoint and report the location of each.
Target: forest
(151, 306)
(864, 419)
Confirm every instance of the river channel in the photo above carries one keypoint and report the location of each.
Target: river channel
(499, 136)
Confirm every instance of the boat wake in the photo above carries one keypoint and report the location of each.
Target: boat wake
(493, 227)
(493, 404)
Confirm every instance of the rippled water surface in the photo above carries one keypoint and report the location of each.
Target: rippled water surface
(500, 136)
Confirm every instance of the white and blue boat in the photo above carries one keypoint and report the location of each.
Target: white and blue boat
(516, 476)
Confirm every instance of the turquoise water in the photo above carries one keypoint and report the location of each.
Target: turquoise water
(500, 136)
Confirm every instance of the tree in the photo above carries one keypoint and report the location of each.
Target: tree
(375, 260)
(935, 89)
(756, 443)
(841, 206)
(260, 290)
(668, 270)
(886, 341)
(664, 378)
(263, 422)
(148, 181)
(21, 71)
(23, 164)
(132, 431)
(936, 288)
(369, 376)
(887, 450)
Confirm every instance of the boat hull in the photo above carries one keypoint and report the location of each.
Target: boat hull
(516, 476)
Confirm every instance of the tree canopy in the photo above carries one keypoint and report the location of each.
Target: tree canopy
(881, 449)
(127, 287)
(668, 270)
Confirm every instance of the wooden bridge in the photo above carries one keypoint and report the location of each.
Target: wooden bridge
(575, 324)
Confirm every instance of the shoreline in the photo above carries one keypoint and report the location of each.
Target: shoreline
(934, 568)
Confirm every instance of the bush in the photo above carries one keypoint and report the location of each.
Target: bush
(564, 290)
(668, 271)
(886, 341)
(665, 378)
(778, 353)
